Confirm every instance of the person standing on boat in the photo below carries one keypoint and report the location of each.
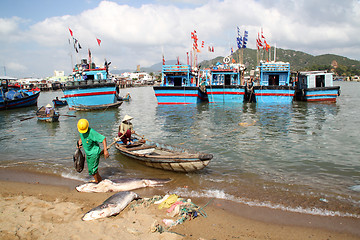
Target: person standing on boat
(89, 140)
(126, 129)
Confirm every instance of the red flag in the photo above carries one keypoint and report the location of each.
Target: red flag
(98, 41)
(71, 33)
(163, 60)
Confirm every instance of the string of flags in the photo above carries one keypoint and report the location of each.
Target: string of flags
(242, 41)
(76, 42)
(261, 42)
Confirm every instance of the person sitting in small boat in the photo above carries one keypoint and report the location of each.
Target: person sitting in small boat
(126, 129)
(49, 110)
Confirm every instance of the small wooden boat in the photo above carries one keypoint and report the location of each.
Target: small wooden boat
(96, 107)
(163, 156)
(51, 117)
(59, 102)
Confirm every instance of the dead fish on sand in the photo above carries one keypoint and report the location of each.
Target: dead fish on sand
(111, 206)
(120, 185)
(79, 160)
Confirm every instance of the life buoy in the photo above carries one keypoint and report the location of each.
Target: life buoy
(226, 60)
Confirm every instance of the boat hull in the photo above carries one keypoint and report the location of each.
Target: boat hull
(21, 102)
(179, 95)
(87, 96)
(96, 107)
(276, 94)
(322, 94)
(59, 103)
(49, 119)
(165, 157)
(225, 94)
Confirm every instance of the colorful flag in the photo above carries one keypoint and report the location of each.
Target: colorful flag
(71, 32)
(98, 41)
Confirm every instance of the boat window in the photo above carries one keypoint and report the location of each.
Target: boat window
(274, 80)
(320, 81)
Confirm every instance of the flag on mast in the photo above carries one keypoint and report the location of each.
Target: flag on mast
(98, 41)
(71, 32)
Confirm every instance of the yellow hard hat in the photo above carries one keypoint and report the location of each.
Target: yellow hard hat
(83, 125)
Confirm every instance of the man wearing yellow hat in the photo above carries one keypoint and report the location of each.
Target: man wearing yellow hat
(90, 140)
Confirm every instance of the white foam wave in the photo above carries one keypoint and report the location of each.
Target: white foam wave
(220, 194)
(355, 188)
(73, 177)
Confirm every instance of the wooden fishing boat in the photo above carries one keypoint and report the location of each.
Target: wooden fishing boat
(96, 107)
(163, 156)
(51, 117)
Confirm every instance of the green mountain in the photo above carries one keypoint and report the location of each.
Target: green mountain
(299, 61)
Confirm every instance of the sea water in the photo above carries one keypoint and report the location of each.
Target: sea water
(300, 157)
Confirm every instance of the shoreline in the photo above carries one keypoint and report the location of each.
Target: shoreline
(225, 219)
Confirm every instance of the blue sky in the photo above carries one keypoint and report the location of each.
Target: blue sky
(34, 34)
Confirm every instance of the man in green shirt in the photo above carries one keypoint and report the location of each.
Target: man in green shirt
(90, 140)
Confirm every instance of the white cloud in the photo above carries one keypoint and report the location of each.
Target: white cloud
(138, 35)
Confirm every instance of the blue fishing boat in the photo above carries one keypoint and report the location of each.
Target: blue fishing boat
(225, 84)
(15, 97)
(275, 84)
(59, 102)
(180, 85)
(316, 86)
(91, 88)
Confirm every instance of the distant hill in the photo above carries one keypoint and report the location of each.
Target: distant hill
(298, 60)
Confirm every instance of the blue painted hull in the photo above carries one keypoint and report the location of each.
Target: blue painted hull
(59, 103)
(21, 102)
(225, 94)
(93, 96)
(49, 119)
(179, 95)
(321, 95)
(275, 95)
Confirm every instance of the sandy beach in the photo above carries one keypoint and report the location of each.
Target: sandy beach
(47, 207)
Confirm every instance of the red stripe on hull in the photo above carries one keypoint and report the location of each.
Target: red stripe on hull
(89, 94)
(320, 95)
(230, 93)
(275, 94)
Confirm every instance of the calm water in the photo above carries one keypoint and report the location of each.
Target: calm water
(302, 157)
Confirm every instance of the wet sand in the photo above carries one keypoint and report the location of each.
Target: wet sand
(37, 206)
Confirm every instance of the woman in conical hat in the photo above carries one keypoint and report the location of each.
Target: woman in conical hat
(126, 129)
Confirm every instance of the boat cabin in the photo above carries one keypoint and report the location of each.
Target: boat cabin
(225, 76)
(315, 79)
(274, 74)
(178, 76)
(88, 71)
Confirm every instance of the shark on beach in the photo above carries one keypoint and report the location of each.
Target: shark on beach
(111, 206)
(120, 185)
